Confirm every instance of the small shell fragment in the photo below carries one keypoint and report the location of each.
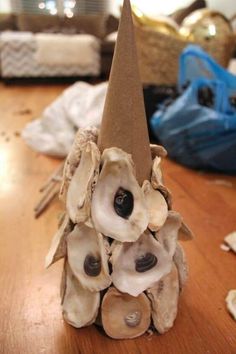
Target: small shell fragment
(231, 240)
(185, 233)
(168, 234)
(63, 282)
(80, 306)
(224, 247)
(157, 206)
(181, 264)
(157, 150)
(164, 298)
(125, 316)
(157, 181)
(58, 245)
(231, 303)
(156, 177)
(79, 192)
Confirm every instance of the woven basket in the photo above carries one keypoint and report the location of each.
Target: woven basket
(159, 54)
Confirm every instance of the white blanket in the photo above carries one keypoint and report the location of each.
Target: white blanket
(78, 106)
(65, 50)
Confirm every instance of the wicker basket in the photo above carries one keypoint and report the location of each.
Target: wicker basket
(159, 54)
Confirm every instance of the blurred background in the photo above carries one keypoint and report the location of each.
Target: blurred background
(151, 7)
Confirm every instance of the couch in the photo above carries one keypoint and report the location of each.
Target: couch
(20, 34)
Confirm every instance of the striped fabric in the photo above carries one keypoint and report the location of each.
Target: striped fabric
(18, 59)
(46, 6)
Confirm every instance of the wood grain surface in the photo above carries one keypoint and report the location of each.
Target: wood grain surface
(30, 315)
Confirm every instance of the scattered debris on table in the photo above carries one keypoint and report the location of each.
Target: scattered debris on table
(50, 190)
(17, 133)
(150, 333)
(221, 182)
(23, 112)
(225, 247)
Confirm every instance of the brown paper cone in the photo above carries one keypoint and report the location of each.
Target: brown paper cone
(124, 122)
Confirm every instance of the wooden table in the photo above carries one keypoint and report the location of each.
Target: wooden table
(30, 317)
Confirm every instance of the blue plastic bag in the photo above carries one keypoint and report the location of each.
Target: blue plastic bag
(198, 136)
(195, 63)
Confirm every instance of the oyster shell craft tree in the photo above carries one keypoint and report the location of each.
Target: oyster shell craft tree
(123, 264)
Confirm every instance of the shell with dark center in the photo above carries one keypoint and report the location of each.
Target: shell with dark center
(123, 203)
(145, 262)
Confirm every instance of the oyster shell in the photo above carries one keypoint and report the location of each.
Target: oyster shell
(168, 234)
(137, 266)
(157, 151)
(83, 136)
(58, 245)
(166, 194)
(125, 316)
(80, 190)
(231, 303)
(157, 181)
(156, 176)
(157, 206)
(164, 298)
(185, 233)
(181, 264)
(231, 241)
(117, 191)
(88, 258)
(80, 306)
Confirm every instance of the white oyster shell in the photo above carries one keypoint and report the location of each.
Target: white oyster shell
(231, 303)
(117, 172)
(168, 234)
(164, 298)
(83, 182)
(82, 242)
(83, 136)
(80, 306)
(124, 260)
(58, 245)
(157, 181)
(157, 206)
